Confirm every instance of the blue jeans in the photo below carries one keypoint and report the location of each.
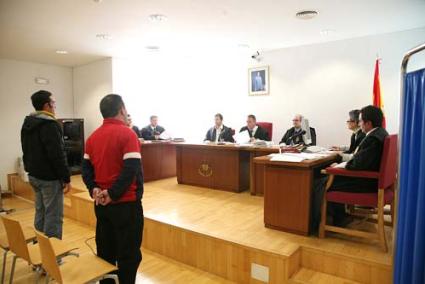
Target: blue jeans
(48, 206)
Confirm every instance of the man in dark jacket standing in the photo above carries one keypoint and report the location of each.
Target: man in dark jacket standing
(45, 161)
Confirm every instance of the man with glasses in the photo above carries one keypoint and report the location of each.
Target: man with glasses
(294, 135)
(357, 137)
(45, 161)
(367, 157)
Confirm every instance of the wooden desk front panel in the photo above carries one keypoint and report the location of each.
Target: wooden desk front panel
(287, 198)
(159, 161)
(213, 167)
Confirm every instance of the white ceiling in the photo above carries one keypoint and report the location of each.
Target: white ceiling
(34, 29)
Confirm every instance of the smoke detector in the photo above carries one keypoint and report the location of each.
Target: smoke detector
(306, 14)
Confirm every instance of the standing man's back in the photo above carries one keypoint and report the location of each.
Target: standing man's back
(45, 161)
(113, 174)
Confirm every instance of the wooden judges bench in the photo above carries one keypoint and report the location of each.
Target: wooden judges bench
(227, 167)
(159, 160)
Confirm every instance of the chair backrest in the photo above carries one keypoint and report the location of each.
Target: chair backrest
(16, 238)
(267, 126)
(388, 168)
(48, 257)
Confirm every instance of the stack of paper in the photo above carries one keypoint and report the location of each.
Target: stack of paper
(296, 157)
(287, 158)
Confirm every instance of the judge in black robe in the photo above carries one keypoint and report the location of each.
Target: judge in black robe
(294, 135)
(255, 131)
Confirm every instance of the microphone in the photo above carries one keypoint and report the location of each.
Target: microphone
(300, 133)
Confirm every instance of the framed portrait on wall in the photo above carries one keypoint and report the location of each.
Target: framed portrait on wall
(258, 81)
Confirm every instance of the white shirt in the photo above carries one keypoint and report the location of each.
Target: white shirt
(370, 131)
(350, 156)
(218, 132)
(254, 130)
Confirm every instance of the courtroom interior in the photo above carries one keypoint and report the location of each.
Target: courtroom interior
(183, 141)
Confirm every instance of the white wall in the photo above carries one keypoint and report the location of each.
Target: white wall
(16, 87)
(184, 92)
(91, 82)
(325, 81)
(322, 81)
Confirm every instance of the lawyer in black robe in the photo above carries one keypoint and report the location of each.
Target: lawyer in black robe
(260, 133)
(225, 135)
(149, 132)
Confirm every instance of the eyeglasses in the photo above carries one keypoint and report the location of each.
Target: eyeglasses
(348, 121)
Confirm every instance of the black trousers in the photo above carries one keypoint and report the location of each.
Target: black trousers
(119, 234)
(340, 183)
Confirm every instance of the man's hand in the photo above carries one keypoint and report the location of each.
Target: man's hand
(66, 187)
(156, 137)
(252, 139)
(104, 198)
(335, 148)
(95, 194)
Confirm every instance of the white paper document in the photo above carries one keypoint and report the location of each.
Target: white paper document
(295, 157)
(242, 137)
(287, 158)
(164, 136)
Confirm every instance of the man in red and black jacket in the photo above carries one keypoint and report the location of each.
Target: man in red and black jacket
(112, 172)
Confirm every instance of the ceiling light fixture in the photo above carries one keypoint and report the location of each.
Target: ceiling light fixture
(61, 52)
(152, 47)
(243, 45)
(104, 36)
(306, 14)
(156, 18)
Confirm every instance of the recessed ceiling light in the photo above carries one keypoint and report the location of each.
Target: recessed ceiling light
(97, 1)
(104, 36)
(61, 52)
(243, 45)
(327, 32)
(306, 14)
(152, 47)
(156, 18)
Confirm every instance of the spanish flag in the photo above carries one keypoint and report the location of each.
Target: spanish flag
(377, 96)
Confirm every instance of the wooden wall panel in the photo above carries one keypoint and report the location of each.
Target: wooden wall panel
(226, 259)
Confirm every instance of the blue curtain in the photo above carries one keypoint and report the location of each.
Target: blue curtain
(409, 266)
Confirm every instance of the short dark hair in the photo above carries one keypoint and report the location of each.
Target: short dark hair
(219, 115)
(252, 116)
(111, 105)
(153, 116)
(40, 98)
(373, 114)
(354, 115)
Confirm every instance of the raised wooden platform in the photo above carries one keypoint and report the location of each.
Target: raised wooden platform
(223, 233)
